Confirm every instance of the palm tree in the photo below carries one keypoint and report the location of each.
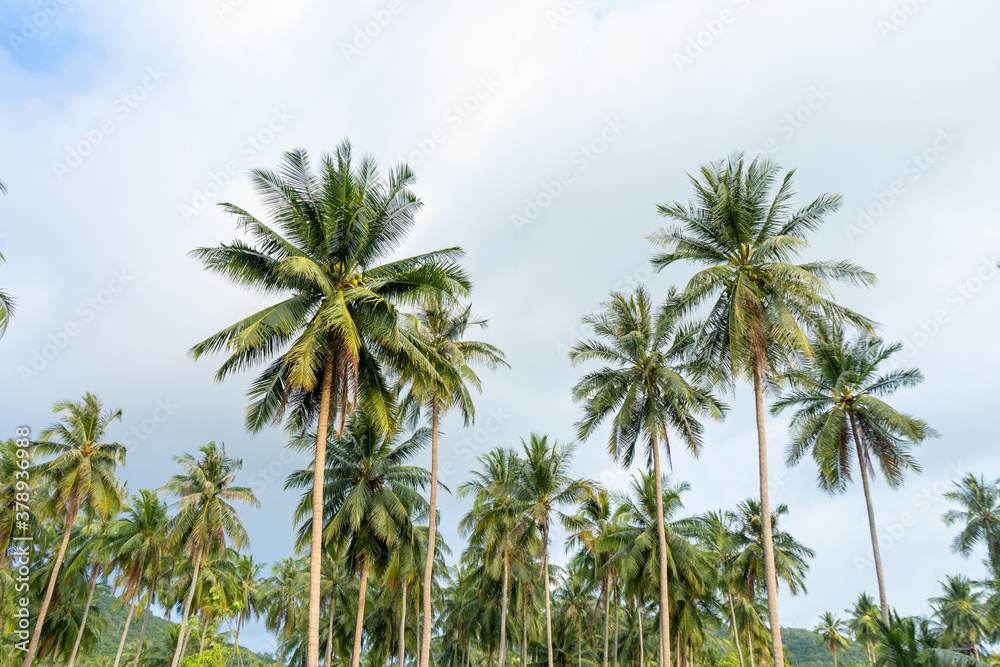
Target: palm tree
(207, 518)
(337, 326)
(961, 611)
(790, 557)
(14, 476)
(905, 642)
(593, 526)
(6, 307)
(714, 530)
(249, 601)
(644, 391)
(93, 554)
(980, 515)
(369, 496)
(838, 396)
(437, 330)
(542, 486)
(831, 631)
(284, 599)
(863, 623)
(763, 304)
(81, 475)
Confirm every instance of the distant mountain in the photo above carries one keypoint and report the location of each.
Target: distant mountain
(808, 650)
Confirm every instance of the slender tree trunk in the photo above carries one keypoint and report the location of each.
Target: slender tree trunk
(402, 628)
(316, 541)
(328, 660)
(359, 626)
(52, 657)
(43, 610)
(503, 613)
(736, 635)
(661, 535)
(86, 612)
(204, 633)
(834, 650)
(142, 633)
(128, 622)
(642, 647)
(545, 575)
(181, 644)
(765, 511)
(425, 648)
(579, 640)
(388, 649)
(862, 462)
(524, 625)
(617, 631)
(607, 618)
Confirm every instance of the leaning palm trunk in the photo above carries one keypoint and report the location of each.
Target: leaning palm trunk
(862, 462)
(617, 604)
(661, 535)
(359, 626)
(181, 643)
(316, 538)
(503, 613)
(73, 509)
(328, 660)
(142, 633)
(425, 646)
(86, 612)
(128, 622)
(402, 628)
(736, 634)
(765, 517)
(524, 626)
(545, 575)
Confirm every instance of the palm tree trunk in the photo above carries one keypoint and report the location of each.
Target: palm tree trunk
(524, 625)
(765, 511)
(425, 648)
(204, 632)
(359, 626)
(750, 646)
(142, 633)
(862, 461)
(545, 575)
(642, 647)
(72, 510)
(179, 651)
(736, 635)
(128, 622)
(402, 628)
(316, 538)
(607, 618)
(86, 612)
(503, 613)
(616, 619)
(579, 640)
(834, 648)
(328, 660)
(661, 535)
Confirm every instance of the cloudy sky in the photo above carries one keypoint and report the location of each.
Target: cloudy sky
(543, 134)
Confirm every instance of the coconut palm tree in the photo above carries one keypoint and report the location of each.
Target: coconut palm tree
(961, 611)
(980, 514)
(92, 554)
(863, 624)
(6, 306)
(370, 497)
(790, 557)
(285, 598)
(643, 389)
(249, 601)
(831, 631)
(82, 476)
(542, 487)
(207, 518)
(838, 395)
(906, 641)
(760, 305)
(437, 330)
(325, 254)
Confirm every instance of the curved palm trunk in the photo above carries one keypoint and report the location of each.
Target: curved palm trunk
(736, 634)
(316, 541)
(607, 618)
(328, 659)
(642, 647)
(750, 647)
(43, 610)
(661, 536)
(503, 613)
(128, 622)
(862, 461)
(204, 633)
(142, 633)
(402, 628)
(359, 626)
(181, 644)
(765, 511)
(425, 647)
(833, 650)
(545, 575)
(86, 612)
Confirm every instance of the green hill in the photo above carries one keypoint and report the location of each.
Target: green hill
(808, 651)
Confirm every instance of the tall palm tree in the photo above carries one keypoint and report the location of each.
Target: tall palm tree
(761, 305)
(592, 529)
(790, 557)
(207, 518)
(542, 487)
(838, 396)
(643, 389)
(370, 496)
(249, 599)
(980, 514)
(863, 623)
(285, 598)
(961, 611)
(327, 341)
(437, 330)
(92, 554)
(831, 631)
(82, 474)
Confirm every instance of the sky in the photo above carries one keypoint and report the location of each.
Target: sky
(543, 134)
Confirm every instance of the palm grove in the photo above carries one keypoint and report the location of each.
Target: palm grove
(359, 356)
